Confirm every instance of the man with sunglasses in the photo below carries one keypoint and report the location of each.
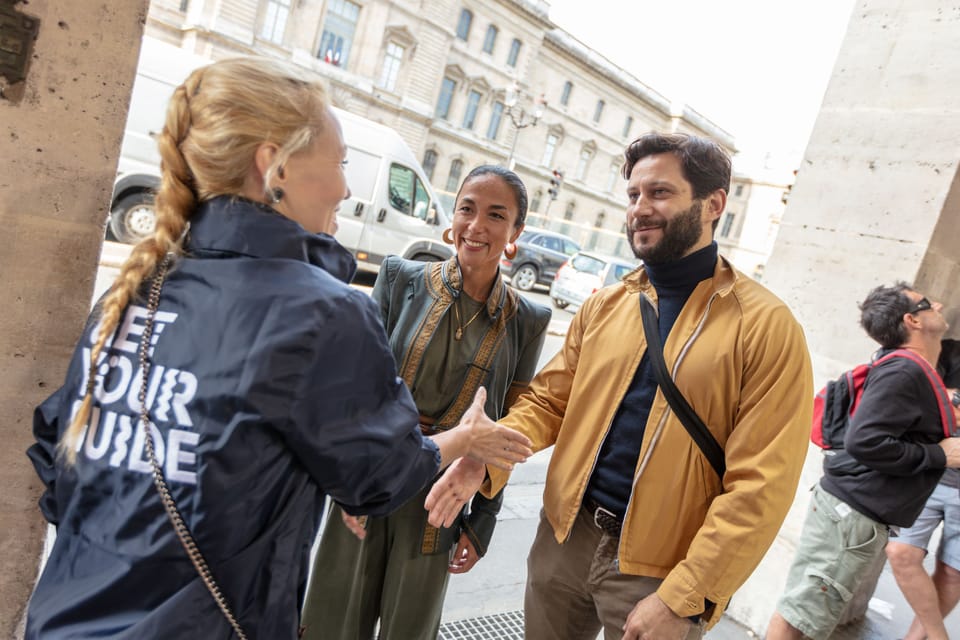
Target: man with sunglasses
(933, 597)
(897, 439)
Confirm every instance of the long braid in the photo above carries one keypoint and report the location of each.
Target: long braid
(214, 124)
(175, 202)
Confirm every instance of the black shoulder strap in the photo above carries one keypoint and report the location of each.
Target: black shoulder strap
(691, 421)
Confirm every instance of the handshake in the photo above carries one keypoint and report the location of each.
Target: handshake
(475, 442)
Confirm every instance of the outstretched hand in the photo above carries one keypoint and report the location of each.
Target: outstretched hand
(491, 443)
(454, 489)
(464, 557)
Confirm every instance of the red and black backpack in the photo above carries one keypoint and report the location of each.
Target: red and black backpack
(836, 403)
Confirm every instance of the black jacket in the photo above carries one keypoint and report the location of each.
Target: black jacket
(894, 435)
(272, 384)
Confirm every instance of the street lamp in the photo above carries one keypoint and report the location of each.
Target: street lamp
(520, 118)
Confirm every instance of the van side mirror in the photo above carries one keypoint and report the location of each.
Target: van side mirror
(432, 216)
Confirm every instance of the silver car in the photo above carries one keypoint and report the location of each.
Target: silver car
(583, 274)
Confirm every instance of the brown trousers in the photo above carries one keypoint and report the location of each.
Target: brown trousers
(574, 590)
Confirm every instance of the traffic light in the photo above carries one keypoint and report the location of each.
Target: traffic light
(555, 181)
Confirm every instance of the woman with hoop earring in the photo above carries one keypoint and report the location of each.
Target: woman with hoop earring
(453, 326)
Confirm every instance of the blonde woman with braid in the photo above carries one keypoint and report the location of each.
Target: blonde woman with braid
(231, 364)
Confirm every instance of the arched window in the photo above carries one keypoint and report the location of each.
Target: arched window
(470, 113)
(613, 176)
(496, 115)
(598, 223)
(429, 163)
(453, 180)
(583, 163)
(392, 60)
(549, 148)
(446, 97)
(339, 27)
(514, 53)
(491, 39)
(727, 229)
(565, 94)
(274, 20)
(463, 26)
(598, 112)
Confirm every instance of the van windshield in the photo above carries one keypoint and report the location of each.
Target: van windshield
(407, 192)
(361, 173)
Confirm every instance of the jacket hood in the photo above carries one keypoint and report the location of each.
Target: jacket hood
(236, 225)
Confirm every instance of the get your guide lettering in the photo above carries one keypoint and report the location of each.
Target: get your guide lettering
(114, 432)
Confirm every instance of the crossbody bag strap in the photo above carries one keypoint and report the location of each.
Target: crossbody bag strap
(173, 513)
(688, 417)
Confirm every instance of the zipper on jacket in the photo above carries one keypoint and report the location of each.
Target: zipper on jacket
(663, 419)
(596, 458)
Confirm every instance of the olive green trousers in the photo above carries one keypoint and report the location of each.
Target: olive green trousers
(385, 577)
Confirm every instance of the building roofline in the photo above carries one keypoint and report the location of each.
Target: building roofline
(589, 57)
(539, 10)
(704, 123)
(569, 44)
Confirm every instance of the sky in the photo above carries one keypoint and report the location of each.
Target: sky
(756, 68)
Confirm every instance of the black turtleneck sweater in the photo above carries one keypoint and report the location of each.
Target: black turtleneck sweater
(612, 479)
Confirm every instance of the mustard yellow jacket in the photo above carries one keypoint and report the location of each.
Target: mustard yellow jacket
(740, 358)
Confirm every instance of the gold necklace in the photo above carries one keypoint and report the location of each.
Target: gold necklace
(456, 310)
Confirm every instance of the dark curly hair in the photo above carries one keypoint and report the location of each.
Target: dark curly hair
(881, 314)
(706, 166)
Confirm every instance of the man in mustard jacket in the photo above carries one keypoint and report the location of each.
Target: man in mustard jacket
(638, 534)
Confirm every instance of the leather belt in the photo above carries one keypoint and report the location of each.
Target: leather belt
(603, 518)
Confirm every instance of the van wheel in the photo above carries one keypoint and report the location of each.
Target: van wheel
(560, 304)
(425, 257)
(133, 217)
(525, 277)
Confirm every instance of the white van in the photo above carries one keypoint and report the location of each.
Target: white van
(393, 208)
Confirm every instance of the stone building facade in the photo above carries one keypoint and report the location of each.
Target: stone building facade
(441, 72)
(748, 229)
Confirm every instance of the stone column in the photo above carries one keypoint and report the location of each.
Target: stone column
(877, 199)
(59, 143)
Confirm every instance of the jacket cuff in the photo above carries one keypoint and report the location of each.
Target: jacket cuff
(481, 521)
(938, 455)
(681, 597)
(495, 481)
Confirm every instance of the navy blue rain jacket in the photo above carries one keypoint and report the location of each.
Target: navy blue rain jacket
(271, 384)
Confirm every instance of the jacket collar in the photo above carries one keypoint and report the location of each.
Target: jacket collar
(236, 225)
(723, 280)
(452, 279)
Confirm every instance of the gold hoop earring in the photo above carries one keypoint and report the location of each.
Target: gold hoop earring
(448, 235)
(510, 251)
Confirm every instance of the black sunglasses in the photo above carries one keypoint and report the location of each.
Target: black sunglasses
(922, 305)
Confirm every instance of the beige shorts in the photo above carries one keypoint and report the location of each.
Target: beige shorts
(837, 547)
